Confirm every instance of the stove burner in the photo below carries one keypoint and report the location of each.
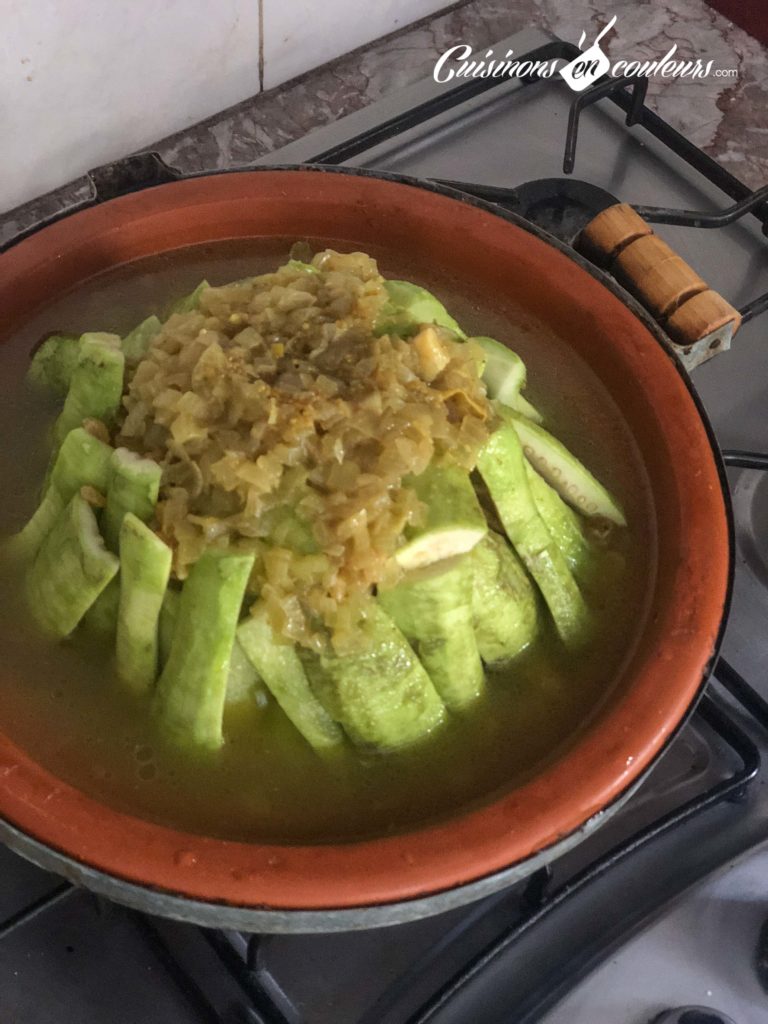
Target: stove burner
(692, 1015)
(562, 206)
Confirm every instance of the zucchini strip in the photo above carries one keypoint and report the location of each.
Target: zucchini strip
(169, 615)
(502, 465)
(381, 694)
(504, 605)
(408, 307)
(570, 478)
(71, 569)
(190, 302)
(504, 372)
(561, 521)
(243, 681)
(54, 362)
(306, 268)
(521, 404)
(81, 460)
(190, 694)
(145, 567)
(136, 343)
(96, 386)
(101, 617)
(504, 375)
(455, 520)
(279, 666)
(133, 486)
(434, 611)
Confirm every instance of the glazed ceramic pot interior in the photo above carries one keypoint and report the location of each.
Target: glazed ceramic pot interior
(503, 265)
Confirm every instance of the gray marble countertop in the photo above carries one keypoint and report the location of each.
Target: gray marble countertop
(727, 117)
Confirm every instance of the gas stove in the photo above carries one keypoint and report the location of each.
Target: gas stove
(661, 914)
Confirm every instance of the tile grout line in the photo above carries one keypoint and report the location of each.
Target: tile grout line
(261, 45)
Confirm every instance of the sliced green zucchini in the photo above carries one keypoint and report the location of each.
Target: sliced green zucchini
(191, 691)
(101, 617)
(454, 523)
(81, 460)
(521, 404)
(308, 268)
(408, 307)
(136, 343)
(243, 682)
(167, 624)
(96, 386)
(381, 695)
(280, 667)
(502, 465)
(54, 362)
(145, 566)
(70, 570)
(504, 375)
(570, 478)
(561, 521)
(169, 614)
(504, 606)
(433, 608)
(190, 302)
(133, 486)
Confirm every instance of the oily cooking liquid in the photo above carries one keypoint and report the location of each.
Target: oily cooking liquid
(63, 704)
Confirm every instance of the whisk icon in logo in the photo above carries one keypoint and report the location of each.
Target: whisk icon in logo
(590, 64)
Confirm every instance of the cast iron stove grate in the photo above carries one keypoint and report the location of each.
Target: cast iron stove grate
(229, 977)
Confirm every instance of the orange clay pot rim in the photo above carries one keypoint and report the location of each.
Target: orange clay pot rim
(210, 880)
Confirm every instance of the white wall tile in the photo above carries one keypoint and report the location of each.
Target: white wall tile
(85, 81)
(302, 34)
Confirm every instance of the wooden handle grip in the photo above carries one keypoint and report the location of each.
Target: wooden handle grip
(700, 322)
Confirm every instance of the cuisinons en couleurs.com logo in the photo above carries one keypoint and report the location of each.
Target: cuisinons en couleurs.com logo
(586, 67)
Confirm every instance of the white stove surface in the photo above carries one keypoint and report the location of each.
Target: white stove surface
(701, 952)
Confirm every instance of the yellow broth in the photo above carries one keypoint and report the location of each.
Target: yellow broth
(63, 704)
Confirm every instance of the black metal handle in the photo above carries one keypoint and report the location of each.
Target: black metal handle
(695, 219)
(130, 174)
(638, 87)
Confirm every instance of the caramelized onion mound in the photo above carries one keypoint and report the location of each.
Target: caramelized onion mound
(285, 426)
